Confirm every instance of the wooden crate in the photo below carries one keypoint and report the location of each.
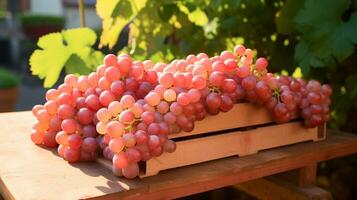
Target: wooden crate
(244, 130)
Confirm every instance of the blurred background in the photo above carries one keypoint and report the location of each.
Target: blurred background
(304, 38)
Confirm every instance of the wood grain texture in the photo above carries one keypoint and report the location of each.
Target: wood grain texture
(240, 143)
(235, 118)
(31, 172)
(271, 188)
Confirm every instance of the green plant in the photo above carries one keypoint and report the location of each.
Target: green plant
(71, 49)
(8, 79)
(41, 20)
(313, 38)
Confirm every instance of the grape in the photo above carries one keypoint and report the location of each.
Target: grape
(49, 140)
(199, 82)
(226, 103)
(131, 171)
(229, 85)
(183, 99)
(83, 84)
(166, 79)
(110, 60)
(127, 101)
(112, 73)
(153, 141)
(69, 125)
(74, 141)
(115, 108)
(104, 115)
(263, 91)
(225, 55)
(116, 145)
(114, 129)
(129, 139)
(216, 78)
(248, 83)
(106, 97)
(153, 98)
(213, 100)
(89, 131)
(37, 136)
(126, 117)
(147, 117)
(52, 94)
(120, 161)
(230, 65)
(37, 108)
(104, 83)
(153, 129)
(101, 127)
(124, 64)
(93, 102)
(239, 50)
(243, 71)
(71, 155)
(170, 95)
(261, 63)
(62, 138)
(176, 108)
(65, 98)
(169, 146)
(85, 116)
(51, 107)
(65, 111)
(117, 87)
(163, 107)
(141, 137)
(63, 88)
(43, 116)
(133, 155)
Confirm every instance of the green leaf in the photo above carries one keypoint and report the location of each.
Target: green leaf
(284, 19)
(75, 65)
(116, 15)
(198, 17)
(320, 22)
(57, 50)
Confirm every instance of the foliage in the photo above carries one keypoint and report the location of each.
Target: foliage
(314, 37)
(41, 20)
(8, 79)
(317, 37)
(71, 49)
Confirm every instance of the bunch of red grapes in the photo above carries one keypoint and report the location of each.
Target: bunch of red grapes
(126, 109)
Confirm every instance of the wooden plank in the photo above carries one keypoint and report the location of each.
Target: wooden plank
(235, 118)
(240, 143)
(271, 188)
(301, 177)
(31, 172)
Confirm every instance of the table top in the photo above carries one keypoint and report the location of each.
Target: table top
(31, 172)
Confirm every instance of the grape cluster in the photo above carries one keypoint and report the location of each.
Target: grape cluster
(126, 109)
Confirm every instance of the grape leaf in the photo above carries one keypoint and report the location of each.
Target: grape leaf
(116, 15)
(74, 65)
(197, 16)
(320, 22)
(284, 19)
(57, 50)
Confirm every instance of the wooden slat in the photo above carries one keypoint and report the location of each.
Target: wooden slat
(241, 115)
(240, 143)
(272, 188)
(31, 172)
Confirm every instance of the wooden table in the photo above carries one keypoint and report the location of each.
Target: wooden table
(30, 172)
